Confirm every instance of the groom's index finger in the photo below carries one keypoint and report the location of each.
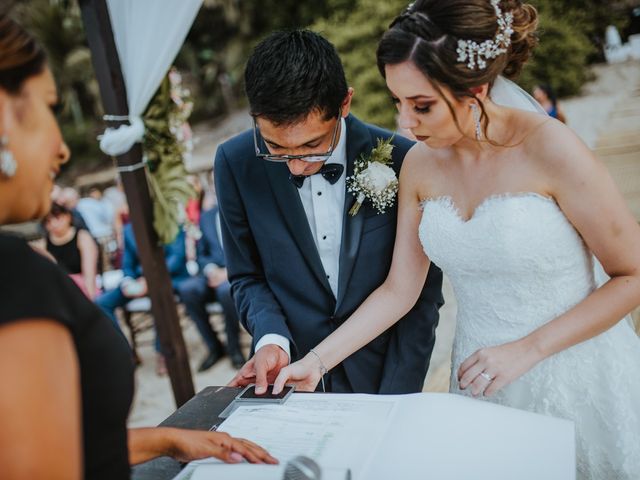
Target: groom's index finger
(261, 376)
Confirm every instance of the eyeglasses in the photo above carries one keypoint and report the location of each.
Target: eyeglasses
(309, 157)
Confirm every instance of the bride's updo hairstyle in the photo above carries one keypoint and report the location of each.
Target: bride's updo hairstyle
(462, 44)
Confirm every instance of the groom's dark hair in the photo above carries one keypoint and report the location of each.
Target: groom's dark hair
(292, 74)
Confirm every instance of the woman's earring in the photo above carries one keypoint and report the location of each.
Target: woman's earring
(476, 118)
(8, 164)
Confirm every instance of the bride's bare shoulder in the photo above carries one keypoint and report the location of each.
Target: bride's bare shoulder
(420, 156)
(423, 166)
(554, 146)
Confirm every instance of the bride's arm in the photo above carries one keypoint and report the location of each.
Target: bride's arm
(388, 303)
(588, 197)
(591, 201)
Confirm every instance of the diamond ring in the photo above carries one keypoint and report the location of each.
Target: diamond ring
(486, 376)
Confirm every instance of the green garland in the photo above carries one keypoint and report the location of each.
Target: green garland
(164, 152)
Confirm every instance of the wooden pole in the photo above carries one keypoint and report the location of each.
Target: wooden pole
(97, 24)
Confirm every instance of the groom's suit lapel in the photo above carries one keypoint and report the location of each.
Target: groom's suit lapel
(358, 142)
(292, 210)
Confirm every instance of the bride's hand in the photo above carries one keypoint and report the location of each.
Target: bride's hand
(490, 369)
(304, 374)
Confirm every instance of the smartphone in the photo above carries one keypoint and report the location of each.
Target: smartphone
(249, 394)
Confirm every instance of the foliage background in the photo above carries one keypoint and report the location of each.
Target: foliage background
(212, 58)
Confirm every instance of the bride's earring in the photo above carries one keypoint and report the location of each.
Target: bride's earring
(475, 110)
(8, 164)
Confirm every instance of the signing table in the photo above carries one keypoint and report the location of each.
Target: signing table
(417, 436)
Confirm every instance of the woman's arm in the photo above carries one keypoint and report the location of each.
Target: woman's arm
(591, 201)
(187, 445)
(587, 195)
(39, 402)
(388, 303)
(89, 259)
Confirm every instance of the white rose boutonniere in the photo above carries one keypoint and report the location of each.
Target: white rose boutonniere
(374, 179)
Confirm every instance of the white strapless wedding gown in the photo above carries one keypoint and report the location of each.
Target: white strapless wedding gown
(515, 265)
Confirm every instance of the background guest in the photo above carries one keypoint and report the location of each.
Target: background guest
(98, 214)
(209, 285)
(546, 97)
(134, 285)
(69, 198)
(73, 248)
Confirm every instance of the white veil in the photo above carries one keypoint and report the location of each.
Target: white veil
(506, 93)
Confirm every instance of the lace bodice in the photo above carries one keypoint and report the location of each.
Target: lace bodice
(515, 265)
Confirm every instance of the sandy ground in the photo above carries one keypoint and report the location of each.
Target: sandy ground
(588, 115)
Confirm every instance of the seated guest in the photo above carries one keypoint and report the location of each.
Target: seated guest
(133, 285)
(69, 198)
(98, 215)
(546, 97)
(211, 284)
(73, 248)
(66, 374)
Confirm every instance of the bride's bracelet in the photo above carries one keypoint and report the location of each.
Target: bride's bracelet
(323, 369)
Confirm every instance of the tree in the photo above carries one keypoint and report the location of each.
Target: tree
(355, 32)
(58, 27)
(561, 58)
(215, 57)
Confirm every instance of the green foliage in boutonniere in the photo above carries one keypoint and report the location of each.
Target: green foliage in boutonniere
(166, 141)
(374, 179)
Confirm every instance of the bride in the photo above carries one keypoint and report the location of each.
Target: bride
(513, 207)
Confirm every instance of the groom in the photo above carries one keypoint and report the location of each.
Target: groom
(298, 263)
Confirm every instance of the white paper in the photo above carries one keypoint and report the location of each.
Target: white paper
(451, 437)
(418, 436)
(337, 431)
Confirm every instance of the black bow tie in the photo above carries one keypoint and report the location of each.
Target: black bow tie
(330, 171)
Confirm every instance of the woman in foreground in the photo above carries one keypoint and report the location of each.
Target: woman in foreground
(66, 374)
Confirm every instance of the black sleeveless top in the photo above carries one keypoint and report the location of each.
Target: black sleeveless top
(67, 254)
(31, 286)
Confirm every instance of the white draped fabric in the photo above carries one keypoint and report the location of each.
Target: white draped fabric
(148, 35)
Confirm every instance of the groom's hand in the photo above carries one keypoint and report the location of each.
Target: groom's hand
(262, 369)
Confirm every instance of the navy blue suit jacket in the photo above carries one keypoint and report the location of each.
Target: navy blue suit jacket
(208, 247)
(277, 278)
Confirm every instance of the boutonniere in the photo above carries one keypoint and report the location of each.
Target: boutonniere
(374, 179)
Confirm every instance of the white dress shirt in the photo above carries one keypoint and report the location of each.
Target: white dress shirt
(323, 205)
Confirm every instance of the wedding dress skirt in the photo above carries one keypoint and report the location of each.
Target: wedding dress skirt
(515, 265)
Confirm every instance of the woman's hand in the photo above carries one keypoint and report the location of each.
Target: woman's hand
(490, 369)
(188, 445)
(304, 374)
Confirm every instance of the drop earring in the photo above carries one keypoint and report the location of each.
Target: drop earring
(7, 161)
(476, 118)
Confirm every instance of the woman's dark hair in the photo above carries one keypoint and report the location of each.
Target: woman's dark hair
(57, 210)
(291, 74)
(21, 57)
(427, 34)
